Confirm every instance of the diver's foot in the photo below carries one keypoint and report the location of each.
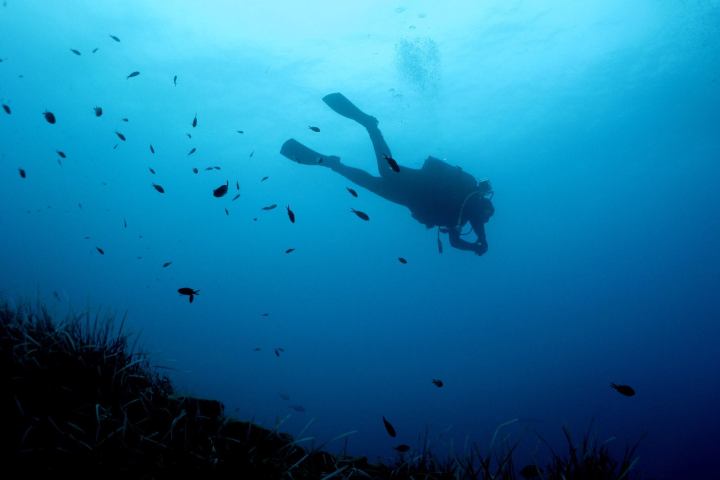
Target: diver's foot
(297, 152)
(341, 105)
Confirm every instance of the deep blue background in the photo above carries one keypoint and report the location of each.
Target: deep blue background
(597, 123)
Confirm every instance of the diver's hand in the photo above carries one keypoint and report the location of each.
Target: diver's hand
(480, 248)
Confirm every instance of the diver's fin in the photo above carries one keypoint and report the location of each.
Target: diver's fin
(297, 152)
(342, 106)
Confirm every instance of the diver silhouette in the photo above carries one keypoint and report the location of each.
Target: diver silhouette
(438, 194)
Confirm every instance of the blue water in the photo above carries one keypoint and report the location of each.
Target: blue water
(596, 122)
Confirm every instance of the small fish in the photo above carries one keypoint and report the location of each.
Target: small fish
(175, 80)
(270, 207)
(115, 38)
(152, 170)
(257, 349)
(237, 185)
(100, 250)
(194, 122)
(95, 50)
(189, 292)
(98, 111)
(298, 408)
(289, 250)
(115, 146)
(195, 170)
(236, 197)
(251, 154)
(76, 52)
(626, 390)
(240, 131)
(124, 223)
(159, 188)
(402, 260)
(7, 109)
(124, 119)
(530, 471)
(402, 448)
(389, 428)
(166, 264)
(437, 382)
(221, 190)
(265, 315)
(50, 117)
(360, 214)
(152, 149)
(133, 74)
(192, 150)
(61, 154)
(22, 173)
(291, 214)
(263, 179)
(314, 129)
(120, 136)
(393, 164)
(216, 168)
(352, 192)
(227, 213)
(207, 169)
(277, 352)
(188, 135)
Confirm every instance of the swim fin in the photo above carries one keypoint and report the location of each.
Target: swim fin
(297, 152)
(341, 105)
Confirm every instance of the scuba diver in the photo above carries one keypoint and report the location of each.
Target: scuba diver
(438, 194)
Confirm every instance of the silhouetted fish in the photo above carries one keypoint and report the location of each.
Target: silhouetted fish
(402, 260)
(189, 292)
(152, 170)
(98, 111)
(167, 264)
(227, 213)
(175, 80)
(278, 351)
(352, 191)
(115, 38)
(7, 109)
(124, 119)
(120, 136)
(265, 314)
(289, 250)
(194, 122)
(402, 448)
(221, 190)
(240, 131)
(360, 214)
(236, 197)
(393, 164)
(257, 349)
(195, 170)
(152, 149)
(61, 154)
(192, 150)
(314, 129)
(389, 428)
(100, 250)
(159, 188)
(264, 178)
(437, 382)
(133, 74)
(50, 117)
(95, 50)
(270, 207)
(76, 52)
(291, 214)
(124, 223)
(626, 390)
(237, 185)
(22, 173)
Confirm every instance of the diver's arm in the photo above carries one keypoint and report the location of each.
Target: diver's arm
(460, 244)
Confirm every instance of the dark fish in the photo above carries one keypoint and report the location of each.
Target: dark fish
(240, 131)
(626, 390)
(100, 250)
(98, 111)
(402, 260)
(115, 38)
(298, 408)
(530, 471)
(49, 116)
(152, 149)
(352, 192)
(314, 129)
(252, 153)
(194, 122)
(277, 352)
(124, 119)
(7, 109)
(152, 170)
(175, 80)
(221, 190)
(115, 146)
(192, 150)
(264, 178)
(195, 170)
(393, 164)
(120, 136)
(227, 212)
(133, 74)
(159, 188)
(402, 448)
(289, 250)
(94, 50)
(360, 214)
(22, 173)
(189, 292)
(61, 154)
(291, 214)
(236, 197)
(216, 168)
(207, 169)
(167, 264)
(437, 382)
(124, 223)
(76, 52)
(188, 135)
(237, 185)
(264, 314)
(257, 349)
(270, 207)
(390, 429)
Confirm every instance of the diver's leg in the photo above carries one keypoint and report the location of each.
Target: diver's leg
(377, 185)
